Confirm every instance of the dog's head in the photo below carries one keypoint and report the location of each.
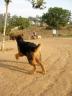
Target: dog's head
(19, 37)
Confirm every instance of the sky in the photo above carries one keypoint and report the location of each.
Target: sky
(24, 8)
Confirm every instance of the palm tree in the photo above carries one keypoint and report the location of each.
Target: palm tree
(38, 3)
(5, 23)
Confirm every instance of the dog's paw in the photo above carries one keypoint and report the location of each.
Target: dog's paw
(16, 56)
(31, 72)
(41, 72)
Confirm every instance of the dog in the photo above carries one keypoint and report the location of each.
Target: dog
(31, 51)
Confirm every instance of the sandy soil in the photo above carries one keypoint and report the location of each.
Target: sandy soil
(15, 79)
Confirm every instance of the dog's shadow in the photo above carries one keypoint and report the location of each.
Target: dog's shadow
(3, 64)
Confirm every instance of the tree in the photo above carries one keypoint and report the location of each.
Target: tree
(56, 17)
(13, 22)
(5, 22)
(38, 4)
(19, 22)
(23, 22)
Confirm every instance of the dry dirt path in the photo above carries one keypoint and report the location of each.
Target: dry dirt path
(15, 79)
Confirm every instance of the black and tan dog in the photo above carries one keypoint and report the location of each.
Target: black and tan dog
(30, 50)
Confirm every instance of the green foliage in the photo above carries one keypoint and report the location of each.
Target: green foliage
(19, 22)
(2, 17)
(13, 22)
(23, 23)
(38, 3)
(1, 22)
(56, 17)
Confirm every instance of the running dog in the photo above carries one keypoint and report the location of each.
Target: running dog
(31, 51)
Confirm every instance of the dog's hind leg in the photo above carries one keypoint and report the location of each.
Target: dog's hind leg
(32, 63)
(39, 62)
(43, 71)
(33, 67)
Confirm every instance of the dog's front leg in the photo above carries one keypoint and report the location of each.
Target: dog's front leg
(18, 55)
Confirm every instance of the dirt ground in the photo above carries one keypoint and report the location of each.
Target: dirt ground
(15, 77)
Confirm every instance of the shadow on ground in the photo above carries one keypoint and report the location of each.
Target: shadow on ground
(4, 64)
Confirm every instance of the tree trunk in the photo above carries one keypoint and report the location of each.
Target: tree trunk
(4, 32)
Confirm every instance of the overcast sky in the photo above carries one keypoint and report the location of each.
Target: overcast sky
(24, 8)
